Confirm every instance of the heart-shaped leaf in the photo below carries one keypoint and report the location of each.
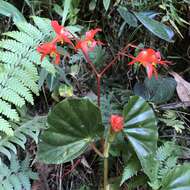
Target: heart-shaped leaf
(73, 125)
(156, 90)
(157, 28)
(140, 126)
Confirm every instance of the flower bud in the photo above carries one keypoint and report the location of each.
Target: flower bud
(117, 123)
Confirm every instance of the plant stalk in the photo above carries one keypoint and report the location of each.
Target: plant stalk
(106, 155)
(98, 79)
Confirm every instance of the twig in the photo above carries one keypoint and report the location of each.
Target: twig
(174, 105)
(96, 150)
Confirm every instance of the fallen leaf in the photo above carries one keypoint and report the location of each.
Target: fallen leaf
(183, 87)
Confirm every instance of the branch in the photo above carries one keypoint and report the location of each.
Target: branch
(174, 105)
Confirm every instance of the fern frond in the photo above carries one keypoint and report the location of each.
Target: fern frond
(6, 127)
(43, 24)
(11, 96)
(13, 46)
(30, 128)
(7, 111)
(19, 62)
(170, 119)
(21, 37)
(30, 30)
(27, 80)
(15, 177)
(9, 57)
(20, 89)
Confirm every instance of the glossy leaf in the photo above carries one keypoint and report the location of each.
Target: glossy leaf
(177, 179)
(9, 10)
(73, 125)
(159, 29)
(140, 126)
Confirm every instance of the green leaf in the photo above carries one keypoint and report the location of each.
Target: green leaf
(131, 169)
(159, 29)
(73, 125)
(58, 9)
(67, 5)
(140, 126)
(92, 5)
(129, 18)
(106, 4)
(177, 179)
(9, 10)
(156, 90)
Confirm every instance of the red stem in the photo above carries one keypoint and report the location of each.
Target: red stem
(98, 79)
(99, 75)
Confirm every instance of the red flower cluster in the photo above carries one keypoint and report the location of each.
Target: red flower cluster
(117, 123)
(64, 36)
(149, 58)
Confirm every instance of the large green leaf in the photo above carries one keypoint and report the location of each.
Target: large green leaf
(157, 28)
(140, 126)
(156, 90)
(9, 10)
(177, 179)
(73, 125)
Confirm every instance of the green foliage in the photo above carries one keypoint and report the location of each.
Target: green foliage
(131, 169)
(172, 15)
(128, 17)
(106, 4)
(140, 126)
(157, 28)
(67, 5)
(170, 119)
(19, 61)
(177, 179)
(9, 10)
(136, 181)
(73, 125)
(30, 129)
(98, 56)
(156, 90)
(17, 176)
(163, 170)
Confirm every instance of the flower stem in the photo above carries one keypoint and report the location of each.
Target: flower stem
(98, 79)
(106, 155)
(96, 150)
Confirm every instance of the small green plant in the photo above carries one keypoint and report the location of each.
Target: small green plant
(17, 176)
(171, 120)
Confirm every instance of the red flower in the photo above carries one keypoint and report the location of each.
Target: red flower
(62, 35)
(117, 123)
(149, 58)
(49, 49)
(88, 43)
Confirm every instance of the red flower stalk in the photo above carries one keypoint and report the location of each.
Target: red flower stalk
(49, 49)
(117, 123)
(89, 43)
(149, 58)
(62, 35)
